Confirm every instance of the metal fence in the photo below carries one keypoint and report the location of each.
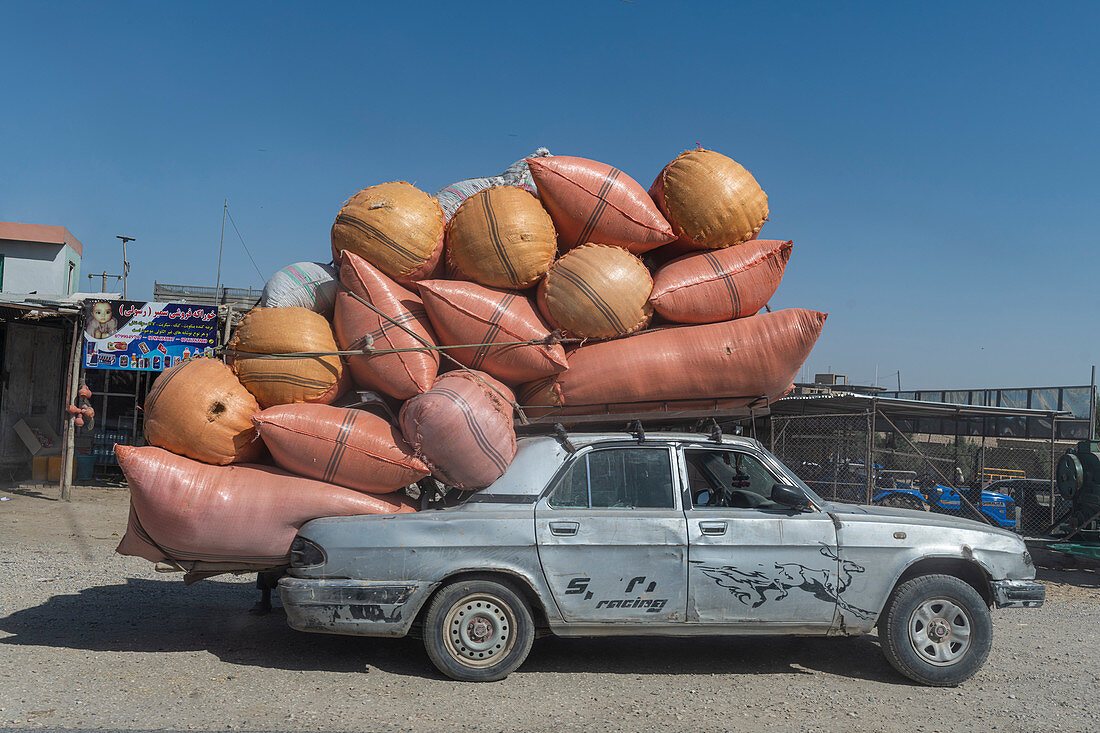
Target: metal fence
(863, 458)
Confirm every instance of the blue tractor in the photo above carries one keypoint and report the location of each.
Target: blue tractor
(904, 490)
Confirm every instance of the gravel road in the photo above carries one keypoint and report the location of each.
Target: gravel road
(90, 639)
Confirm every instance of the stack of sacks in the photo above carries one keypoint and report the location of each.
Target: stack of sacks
(197, 493)
(533, 277)
(700, 219)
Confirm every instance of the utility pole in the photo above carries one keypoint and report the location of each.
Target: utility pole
(125, 262)
(221, 243)
(103, 280)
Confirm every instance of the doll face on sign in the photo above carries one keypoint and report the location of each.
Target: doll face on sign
(101, 312)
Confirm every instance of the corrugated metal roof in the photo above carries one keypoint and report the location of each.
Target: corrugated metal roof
(852, 402)
(47, 303)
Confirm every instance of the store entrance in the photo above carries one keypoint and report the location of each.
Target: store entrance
(117, 397)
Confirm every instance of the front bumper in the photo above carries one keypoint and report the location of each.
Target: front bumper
(358, 607)
(1018, 593)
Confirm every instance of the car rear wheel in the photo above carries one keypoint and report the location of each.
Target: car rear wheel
(478, 630)
(936, 630)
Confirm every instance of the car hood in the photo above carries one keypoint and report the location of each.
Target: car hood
(911, 516)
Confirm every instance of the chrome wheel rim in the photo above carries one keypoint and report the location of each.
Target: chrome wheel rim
(479, 631)
(939, 631)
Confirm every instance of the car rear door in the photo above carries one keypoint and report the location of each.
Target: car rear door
(612, 537)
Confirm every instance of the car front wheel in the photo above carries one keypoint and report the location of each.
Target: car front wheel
(478, 630)
(936, 630)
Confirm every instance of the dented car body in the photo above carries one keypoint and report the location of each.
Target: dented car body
(661, 534)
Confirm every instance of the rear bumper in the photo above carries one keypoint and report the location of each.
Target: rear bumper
(357, 607)
(1018, 593)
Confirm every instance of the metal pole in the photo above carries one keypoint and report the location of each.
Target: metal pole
(69, 449)
(1092, 408)
(870, 460)
(228, 324)
(1053, 437)
(125, 262)
(221, 243)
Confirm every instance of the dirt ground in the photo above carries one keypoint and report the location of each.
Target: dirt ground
(91, 639)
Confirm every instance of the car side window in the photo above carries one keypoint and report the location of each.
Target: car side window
(617, 478)
(725, 478)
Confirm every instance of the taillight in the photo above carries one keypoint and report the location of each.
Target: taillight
(306, 554)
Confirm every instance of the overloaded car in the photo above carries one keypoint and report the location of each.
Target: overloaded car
(658, 534)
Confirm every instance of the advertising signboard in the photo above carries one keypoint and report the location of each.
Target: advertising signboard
(151, 337)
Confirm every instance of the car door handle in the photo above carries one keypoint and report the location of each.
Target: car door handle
(564, 529)
(712, 528)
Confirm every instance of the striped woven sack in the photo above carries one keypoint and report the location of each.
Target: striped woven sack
(310, 285)
(752, 357)
(596, 291)
(591, 201)
(462, 428)
(395, 226)
(399, 312)
(501, 238)
(188, 511)
(199, 409)
(710, 200)
(352, 448)
(282, 381)
(708, 287)
(501, 321)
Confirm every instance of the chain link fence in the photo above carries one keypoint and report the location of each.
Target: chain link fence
(861, 458)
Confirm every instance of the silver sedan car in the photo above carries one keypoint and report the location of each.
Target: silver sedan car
(666, 534)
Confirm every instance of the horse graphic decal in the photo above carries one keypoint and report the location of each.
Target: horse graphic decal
(753, 587)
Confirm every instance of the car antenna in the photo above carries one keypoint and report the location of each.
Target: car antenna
(563, 437)
(637, 431)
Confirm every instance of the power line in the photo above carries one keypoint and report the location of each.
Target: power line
(238, 231)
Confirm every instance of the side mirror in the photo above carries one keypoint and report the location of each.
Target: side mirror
(790, 496)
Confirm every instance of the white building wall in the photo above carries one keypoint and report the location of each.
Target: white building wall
(31, 267)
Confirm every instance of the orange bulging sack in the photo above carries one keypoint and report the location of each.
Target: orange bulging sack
(282, 381)
(199, 409)
(352, 448)
(501, 238)
(751, 357)
(710, 200)
(395, 226)
(596, 291)
(401, 374)
(591, 201)
(188, 511)
(462, 428)
(468, 313)
(708, 287)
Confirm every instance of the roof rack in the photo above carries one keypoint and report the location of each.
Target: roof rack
(650, 417)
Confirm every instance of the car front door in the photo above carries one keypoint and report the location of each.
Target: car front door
(752, 561)
(612, 537)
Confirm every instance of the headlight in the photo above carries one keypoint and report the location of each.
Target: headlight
(306, 554)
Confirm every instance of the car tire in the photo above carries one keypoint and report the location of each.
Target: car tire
(902, 501)
(478, 630)
(936, 630)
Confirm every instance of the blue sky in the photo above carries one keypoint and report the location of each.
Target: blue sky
(935, 163)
